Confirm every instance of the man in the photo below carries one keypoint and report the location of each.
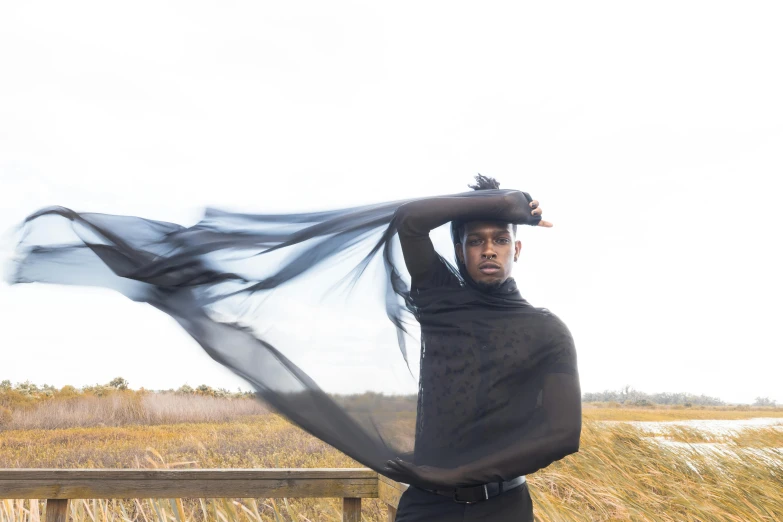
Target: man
(483, 381)
(498, 389)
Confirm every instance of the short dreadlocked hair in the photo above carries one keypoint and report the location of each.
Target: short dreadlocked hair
(485, 183)
(482, 183)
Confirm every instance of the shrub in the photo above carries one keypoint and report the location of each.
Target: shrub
(67, 392)
(185, 390)
(119, 383)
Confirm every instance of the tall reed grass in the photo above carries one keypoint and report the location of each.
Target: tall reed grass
(621, 472)
(120, 409)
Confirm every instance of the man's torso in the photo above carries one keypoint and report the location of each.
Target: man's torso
(473, 371)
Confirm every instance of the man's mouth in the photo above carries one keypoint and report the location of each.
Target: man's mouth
(489, 268)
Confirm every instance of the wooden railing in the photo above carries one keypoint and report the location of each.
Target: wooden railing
(59, 486)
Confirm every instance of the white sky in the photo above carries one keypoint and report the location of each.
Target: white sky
(652, 134)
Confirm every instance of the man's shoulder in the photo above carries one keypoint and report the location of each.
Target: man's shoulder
(440, 274)
(551, 322)
(547, 315)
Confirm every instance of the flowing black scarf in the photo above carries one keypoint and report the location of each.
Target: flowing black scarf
(311, 309)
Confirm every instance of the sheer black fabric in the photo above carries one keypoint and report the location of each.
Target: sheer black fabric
(463, 384)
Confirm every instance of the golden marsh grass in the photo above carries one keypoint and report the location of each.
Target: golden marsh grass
(620, 473)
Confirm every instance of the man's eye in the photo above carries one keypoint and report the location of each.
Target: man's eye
(474, 242)
(503, 240)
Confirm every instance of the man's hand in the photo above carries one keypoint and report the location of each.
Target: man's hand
(537, 211)
(425, 476)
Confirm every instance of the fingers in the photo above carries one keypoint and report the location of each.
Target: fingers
(395, 474)
(399, 465)
(400, 470)
(537, 211)
(392, 468)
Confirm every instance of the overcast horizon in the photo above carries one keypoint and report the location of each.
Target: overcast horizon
(248, 389)
(651, 134)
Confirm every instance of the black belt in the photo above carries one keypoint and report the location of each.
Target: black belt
(473, 494)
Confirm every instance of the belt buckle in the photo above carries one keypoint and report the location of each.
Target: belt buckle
(459, 501)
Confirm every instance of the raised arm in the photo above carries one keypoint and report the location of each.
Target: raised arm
(417, 218)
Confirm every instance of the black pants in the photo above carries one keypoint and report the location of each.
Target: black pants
(418, 505)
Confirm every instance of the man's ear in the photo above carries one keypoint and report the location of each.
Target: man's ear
(517, 249)
(459, 253)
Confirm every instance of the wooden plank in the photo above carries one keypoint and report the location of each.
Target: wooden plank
(56, 510)
(156, 488)
(185, 474)
(390, 491)
(352, 510)
(173, 483)
(391, 514)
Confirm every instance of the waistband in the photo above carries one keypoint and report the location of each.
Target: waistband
(473, 494)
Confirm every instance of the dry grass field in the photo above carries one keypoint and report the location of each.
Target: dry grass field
(675, 413)
(620, 473)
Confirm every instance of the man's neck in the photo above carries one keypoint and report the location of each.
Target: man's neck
(488, 287)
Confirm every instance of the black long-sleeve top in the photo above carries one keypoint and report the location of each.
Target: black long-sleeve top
(499, 391)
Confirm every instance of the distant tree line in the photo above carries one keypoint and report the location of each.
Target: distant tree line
(208, 391)
(629, 396)
(27, 393)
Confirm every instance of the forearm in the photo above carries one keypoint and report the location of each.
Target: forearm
(421, 216)
(521, 459)
(414, 220)
(547, 431)
(562, 409)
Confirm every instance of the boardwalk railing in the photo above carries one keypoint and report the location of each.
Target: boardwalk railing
(59, 486)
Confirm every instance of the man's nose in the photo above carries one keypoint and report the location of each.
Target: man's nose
(488, 253)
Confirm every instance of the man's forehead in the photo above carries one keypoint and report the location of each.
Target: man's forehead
(487, 227)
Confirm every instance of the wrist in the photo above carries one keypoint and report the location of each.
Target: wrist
(517, 208)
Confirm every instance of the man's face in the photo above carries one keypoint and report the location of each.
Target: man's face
(488, 250)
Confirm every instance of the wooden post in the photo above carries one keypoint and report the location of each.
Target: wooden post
(57, 510)
(390, 493)
(352, 510)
